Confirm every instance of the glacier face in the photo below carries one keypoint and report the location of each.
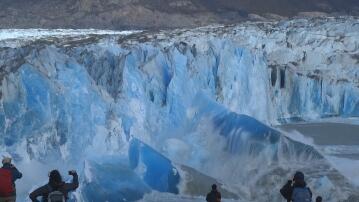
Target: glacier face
(122, 109)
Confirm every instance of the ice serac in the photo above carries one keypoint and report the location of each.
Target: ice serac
(111, 179)
(116, 178)
(150, 112)
(159, 172)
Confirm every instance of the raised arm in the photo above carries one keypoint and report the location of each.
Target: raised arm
(75, 182)
(310, 191)
(287, 190)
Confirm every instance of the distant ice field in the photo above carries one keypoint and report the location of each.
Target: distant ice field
(6, 34)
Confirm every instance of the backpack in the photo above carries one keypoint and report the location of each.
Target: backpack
(6, 186)
(55, 196)
(301, 194)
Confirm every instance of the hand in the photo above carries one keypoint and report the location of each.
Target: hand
(72, 172)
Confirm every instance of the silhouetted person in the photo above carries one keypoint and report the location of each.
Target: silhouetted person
(56, 189)
(8, 175)
(296, 190)
(214, 195)
(319, 199)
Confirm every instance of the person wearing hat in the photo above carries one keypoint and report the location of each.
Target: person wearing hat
(296, 190)
(8, 175)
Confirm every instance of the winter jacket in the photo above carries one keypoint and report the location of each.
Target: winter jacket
(63, 187)
(213, 196)
(287, 189)
(14, 173)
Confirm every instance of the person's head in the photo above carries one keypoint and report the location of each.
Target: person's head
(319, 199)
(298, 177)
(6, 160)
(55, 177)
(214, 187)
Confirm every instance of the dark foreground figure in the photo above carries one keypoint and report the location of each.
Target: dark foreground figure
(296, 190)
(56, 190)
(214, 195)
(319, 199)
(8, 175)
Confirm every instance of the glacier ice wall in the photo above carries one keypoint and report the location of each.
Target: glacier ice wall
(303, 69)
(141, 102)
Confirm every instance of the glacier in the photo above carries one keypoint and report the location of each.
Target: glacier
(154, 115)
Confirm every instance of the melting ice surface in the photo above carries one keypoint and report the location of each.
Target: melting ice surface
(155, 120)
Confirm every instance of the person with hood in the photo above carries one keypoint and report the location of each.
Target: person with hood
(8, 175)
(296, 190)
(214, 195)
(56, 189)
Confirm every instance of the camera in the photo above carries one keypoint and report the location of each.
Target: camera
(72, 172)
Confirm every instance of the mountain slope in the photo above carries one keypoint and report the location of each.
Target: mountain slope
(119, 14)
